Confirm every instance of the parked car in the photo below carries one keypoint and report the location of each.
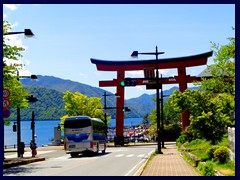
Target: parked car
(126, 139)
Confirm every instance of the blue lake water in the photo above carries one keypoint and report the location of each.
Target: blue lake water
(45, 131)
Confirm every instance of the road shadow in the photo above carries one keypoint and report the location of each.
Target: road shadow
(89, 155)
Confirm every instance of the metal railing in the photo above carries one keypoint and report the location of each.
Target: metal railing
(14, 146)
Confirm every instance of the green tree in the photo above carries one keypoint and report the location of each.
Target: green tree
(211, 109)
(77, 104)
(223, 69)
(208, 116)
(170, 116)
(171, 120)
(18, 93)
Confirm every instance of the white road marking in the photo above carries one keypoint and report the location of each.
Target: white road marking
(141, 155)
(119, 155)
(131, 170)
(130, 155)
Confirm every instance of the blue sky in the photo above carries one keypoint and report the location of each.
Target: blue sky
(67, 36)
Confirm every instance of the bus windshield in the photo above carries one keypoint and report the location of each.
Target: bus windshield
(77, 123)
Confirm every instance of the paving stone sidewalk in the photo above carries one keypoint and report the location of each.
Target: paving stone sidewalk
(170, 163)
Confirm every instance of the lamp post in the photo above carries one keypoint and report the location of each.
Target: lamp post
(105, 107)
(18, 116)
(26, 32)
(158, 86)
(32, 100)
(162, 126)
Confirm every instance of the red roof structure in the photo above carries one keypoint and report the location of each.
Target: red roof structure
(180, 63)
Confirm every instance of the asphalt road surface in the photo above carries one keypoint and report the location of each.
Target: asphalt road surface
(117, 161)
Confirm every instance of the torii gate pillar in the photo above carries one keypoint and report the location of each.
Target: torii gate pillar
(182, 78)
(119, 138)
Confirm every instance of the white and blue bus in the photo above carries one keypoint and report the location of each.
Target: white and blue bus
(84, 134)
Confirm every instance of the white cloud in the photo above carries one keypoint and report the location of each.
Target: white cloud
(139, 88)
(14, 25)
(4, 16)
(97, 73)
(83, 75)
(163, 72)
(24, 72)
(140, 74)
(11, 7)
(13, 40)
(134, 73)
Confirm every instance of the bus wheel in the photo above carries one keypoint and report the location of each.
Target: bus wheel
(74, 154)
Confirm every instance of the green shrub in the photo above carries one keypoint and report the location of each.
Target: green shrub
(211, 150)
(222, 154)
(181, 139)
(209, 169)
(206, 169)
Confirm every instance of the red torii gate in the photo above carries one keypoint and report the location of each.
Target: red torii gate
(181, 63)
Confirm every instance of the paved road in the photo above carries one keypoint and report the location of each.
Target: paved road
(120, 161)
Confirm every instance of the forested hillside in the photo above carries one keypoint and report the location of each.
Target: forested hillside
(49, 105)
(49, 91)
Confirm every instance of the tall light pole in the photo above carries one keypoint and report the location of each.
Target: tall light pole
(105, 108)
(32, 99)
(33, 77)
(27, 33)
(162, 126)
(158, 86)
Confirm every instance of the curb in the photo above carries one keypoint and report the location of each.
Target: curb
(21, 161)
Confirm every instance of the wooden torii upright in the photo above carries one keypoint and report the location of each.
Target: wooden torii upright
(181, 63)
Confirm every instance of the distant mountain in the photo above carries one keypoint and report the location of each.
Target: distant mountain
(50, 91)
(144, 104)
(49, 105)
(62, 85)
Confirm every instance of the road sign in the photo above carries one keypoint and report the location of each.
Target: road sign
(6, 93)
(6, 103)
(6, 113)
(153, 86)
(149, 73)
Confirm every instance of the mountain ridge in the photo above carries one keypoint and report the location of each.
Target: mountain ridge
(139, 106)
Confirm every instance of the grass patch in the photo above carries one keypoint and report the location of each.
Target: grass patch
(227, 169)
(201, 154)
(200, 147)
(198, 144)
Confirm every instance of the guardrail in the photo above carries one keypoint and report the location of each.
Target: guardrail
(14, 146)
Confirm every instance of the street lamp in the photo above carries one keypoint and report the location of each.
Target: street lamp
(18, 116)
(32, 99)
(26, 32)
(156, 53)
(105, 107)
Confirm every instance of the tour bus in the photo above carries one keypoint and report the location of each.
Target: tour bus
(84, 134)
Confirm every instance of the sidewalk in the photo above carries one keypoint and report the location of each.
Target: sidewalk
(170, 163)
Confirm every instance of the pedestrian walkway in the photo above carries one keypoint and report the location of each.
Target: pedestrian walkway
(170, 163)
